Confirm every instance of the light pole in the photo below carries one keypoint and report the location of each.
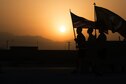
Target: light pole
(7, 44)
(69, 45)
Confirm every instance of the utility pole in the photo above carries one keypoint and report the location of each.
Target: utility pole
(69, 45)
(7, 44)
(37, 43)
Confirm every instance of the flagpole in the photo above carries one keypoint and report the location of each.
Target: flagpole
(73, 29)
(95, 19)
(74, 33)
(73, 26)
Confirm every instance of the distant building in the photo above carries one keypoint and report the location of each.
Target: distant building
(23, 48)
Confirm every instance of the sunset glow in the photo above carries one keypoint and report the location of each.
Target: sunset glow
(62, 29)
(45, 17)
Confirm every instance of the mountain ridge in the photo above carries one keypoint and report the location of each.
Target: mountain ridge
(28, 40)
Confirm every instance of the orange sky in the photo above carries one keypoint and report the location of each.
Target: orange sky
(45, 17)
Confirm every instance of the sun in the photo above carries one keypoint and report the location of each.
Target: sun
(62, 29)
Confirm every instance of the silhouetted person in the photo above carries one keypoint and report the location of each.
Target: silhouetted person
(91, 43)
(102, 50)
(102, 37)
(101, 41)
(91, 37)
(80, 41)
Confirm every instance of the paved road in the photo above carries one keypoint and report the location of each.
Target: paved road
(55, 75)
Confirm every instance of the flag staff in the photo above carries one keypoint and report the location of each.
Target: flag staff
(73, 29)
(95, 19)
(73, 26)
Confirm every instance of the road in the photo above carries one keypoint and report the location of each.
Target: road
(55, 75)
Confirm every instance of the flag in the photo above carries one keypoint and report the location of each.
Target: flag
(78, 21)
(108, 20)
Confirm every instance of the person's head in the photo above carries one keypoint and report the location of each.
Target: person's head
(90, 30)
(79, 30)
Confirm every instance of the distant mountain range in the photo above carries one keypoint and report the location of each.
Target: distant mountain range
(8, 39)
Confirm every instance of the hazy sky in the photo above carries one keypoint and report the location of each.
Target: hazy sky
(46, 17)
